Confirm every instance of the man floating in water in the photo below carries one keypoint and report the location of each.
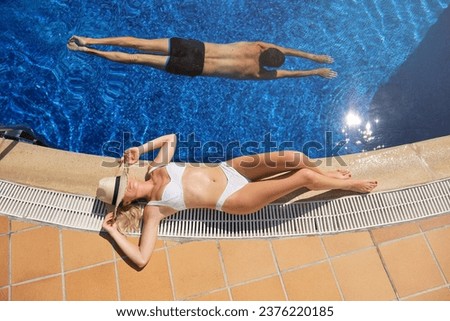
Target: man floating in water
(189, 57)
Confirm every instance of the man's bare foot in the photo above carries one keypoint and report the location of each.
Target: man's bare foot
(323, 59)
(339, 174)
(362, 186)
(327, 73)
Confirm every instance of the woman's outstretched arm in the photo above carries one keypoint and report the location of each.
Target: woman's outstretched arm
(166, 145)
(139, 254)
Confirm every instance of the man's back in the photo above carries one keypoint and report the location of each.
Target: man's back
(234, 60)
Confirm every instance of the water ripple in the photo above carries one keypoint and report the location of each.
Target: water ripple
(86, 101)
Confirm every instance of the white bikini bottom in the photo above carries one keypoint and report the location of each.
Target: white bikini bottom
(235, 182)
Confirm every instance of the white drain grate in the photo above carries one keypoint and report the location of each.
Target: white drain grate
(52, 207)
(276, 220)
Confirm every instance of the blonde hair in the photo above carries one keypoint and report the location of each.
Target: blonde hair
(129, 218)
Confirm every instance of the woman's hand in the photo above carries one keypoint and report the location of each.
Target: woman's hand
(109, 224)
(131, 156)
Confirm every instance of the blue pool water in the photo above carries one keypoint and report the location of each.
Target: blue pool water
(86, 104)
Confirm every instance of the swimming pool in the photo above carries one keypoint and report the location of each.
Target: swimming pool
(86, 104)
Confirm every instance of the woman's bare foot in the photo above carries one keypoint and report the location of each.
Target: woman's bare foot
(339, 174)
(362, 186)
(323, 59)
(326, 73)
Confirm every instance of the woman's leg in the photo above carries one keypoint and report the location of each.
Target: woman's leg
(256, 195)
(259, 166)
(155, 61)
(160, 46)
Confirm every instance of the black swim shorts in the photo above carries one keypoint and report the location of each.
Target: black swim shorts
(187, 57)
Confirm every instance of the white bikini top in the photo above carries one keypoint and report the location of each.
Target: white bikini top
(173, 192)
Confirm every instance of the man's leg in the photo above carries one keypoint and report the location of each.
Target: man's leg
(160, 46)
(155, 61)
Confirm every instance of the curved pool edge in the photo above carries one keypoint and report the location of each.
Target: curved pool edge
(402, 262)
(77, 173)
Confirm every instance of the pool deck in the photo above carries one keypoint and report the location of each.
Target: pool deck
(408, 261)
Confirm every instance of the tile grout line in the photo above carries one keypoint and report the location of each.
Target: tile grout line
(9, 260)
(169, 268)
(436, 261)
(328, 259)
(224, 271)
(36, 225)
(402, 238)
(307, 265)
(275, 260)
(87, 267)
(385, 268)
(200, 294)
(445, 286)
(261, 278)
(433, 227)
(61, 255)
(45, 277)
(116, 271)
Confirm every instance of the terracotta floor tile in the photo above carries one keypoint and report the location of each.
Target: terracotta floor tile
(118, 253)
(169, 243)
(4, 224)
(263, 290)
(313, 283)
(4, 260)
(346, 242)
(17, 225)
(361, 276)
(4, 294)
(83, 248)
(42, 290)
(434, 222)
(436, 295)
(159, 244)
(196, 268)
(247, 260)
(293, 252)
(411, 265)
(35, 253)
(440, 243)
(93, 284)
(151, 283)
(215, 296)
(393, 232)
(133, 239)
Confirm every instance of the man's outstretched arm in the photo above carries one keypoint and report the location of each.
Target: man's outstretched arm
(299, 53)
(276, 74)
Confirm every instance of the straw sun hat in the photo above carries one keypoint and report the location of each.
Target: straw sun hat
(111, 190)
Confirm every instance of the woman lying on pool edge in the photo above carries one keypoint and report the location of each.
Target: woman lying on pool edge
(238, 186)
